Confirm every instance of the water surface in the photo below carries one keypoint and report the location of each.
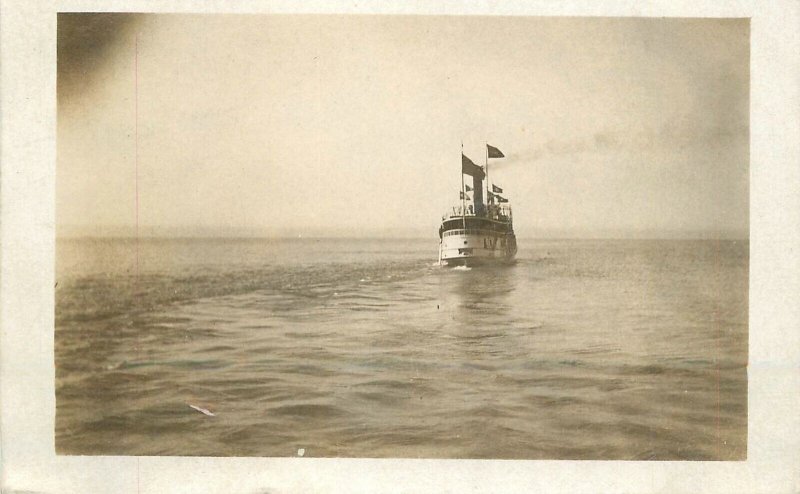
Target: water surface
(365, 348)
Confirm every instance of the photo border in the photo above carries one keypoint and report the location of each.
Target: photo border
(27, 237)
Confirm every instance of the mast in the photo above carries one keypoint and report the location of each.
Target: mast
(462, 193)
(486, 153)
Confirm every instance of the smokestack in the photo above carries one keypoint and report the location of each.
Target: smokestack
(477, 174)
(477, 194)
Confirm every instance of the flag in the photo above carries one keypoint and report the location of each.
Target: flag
(463, 195)
(494, 152)
(468, 187)
(501, 199)
(470, 168)
(496, 189)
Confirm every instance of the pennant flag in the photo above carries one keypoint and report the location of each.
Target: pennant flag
(467, 187)
(496, 189)
(470, 168)
(463, 195)
(494, 152)
(501, 199)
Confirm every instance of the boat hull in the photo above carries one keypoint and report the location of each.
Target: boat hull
(479, 248)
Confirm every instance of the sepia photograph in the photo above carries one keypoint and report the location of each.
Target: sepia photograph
(402, 236)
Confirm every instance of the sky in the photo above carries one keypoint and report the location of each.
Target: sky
(286, 125)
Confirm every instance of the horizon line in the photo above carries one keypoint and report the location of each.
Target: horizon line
(375, 237)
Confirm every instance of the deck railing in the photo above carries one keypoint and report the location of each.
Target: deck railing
(495, 211)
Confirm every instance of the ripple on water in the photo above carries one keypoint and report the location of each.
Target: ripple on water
(583, 350)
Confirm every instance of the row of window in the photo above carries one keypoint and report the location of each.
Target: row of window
(469, 232)
(489, 240)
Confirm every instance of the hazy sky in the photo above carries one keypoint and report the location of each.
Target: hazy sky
(353, 124)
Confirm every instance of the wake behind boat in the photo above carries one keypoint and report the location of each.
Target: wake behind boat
(478, 232)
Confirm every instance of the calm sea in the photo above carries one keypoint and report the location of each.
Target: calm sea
(365, 348)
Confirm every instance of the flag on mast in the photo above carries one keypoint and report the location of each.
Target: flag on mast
(493, 152)
(470, 168)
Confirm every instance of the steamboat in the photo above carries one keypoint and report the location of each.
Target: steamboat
(478, 231)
